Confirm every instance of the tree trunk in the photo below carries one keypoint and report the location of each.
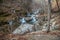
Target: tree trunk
(49, 12)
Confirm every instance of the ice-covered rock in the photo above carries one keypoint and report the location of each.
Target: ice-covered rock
(23, 28)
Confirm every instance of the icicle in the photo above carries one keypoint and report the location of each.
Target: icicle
(10, 23)
(23, 21)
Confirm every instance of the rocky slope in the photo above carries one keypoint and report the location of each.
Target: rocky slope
(9, 7)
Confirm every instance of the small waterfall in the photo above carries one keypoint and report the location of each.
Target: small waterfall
(26, 27)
